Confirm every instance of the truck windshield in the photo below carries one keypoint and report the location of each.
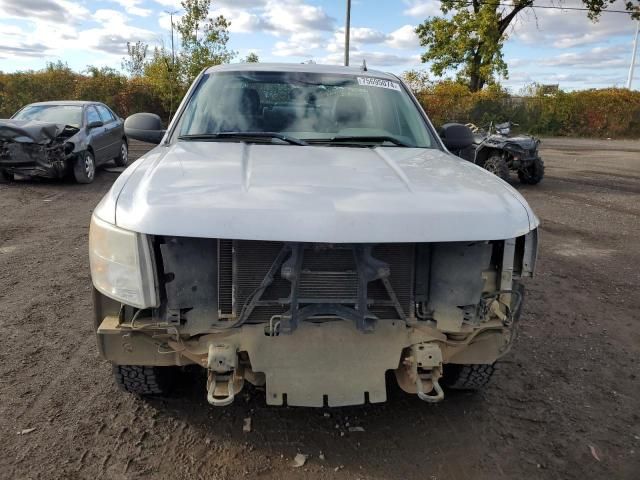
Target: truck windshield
(313, 108)
(64, 114)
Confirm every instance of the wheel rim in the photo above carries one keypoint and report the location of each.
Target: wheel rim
(492, 168)
(89, 166)
(124, 153)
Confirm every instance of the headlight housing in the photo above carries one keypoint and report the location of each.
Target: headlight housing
(121, 264)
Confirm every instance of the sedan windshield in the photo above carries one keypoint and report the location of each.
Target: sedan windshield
(303, 108)
(64, 114)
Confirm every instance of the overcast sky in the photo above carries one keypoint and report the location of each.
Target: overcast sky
(546, 46)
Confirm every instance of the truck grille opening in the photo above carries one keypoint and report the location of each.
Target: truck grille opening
(328, 274)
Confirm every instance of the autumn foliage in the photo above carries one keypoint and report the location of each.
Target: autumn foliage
(601, 113)
(58, 82)
(611, 112)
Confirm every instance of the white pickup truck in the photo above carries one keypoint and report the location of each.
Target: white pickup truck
(304, 228)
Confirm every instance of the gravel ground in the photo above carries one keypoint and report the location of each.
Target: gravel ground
(565, 403)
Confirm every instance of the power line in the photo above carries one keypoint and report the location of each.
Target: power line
(550, 7)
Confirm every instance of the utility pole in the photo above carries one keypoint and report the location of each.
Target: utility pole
(173, 52)
(173, 64)
(347, 29)
(633, 56)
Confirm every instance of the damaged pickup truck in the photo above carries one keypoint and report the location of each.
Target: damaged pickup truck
(56, 139)
(303, 228)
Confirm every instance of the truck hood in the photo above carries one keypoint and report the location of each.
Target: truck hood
(314, 194)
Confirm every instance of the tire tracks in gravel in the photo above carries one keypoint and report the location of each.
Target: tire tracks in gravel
(633, 189)
(34, 407)
(585, 200)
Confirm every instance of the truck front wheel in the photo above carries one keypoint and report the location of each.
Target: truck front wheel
(467, 377)
(142, 380)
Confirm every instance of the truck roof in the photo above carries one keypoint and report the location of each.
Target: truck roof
(301, 67)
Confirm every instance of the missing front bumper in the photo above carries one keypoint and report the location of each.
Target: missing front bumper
(330, 363)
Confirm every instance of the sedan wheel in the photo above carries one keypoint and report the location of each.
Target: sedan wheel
(84, 169)
(122, 160)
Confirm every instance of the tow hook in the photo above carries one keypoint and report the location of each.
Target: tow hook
(438, 397)
(427, 356)
(222, 381)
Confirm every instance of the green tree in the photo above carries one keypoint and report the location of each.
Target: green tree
(417, 80)
(203, 39)
(164, 79)
(470, 40)
(136, 58)
(251, 58)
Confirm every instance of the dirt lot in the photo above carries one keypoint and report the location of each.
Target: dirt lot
(565, 403)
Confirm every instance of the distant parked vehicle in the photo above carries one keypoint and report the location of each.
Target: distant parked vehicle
(499, 152)
(53, 139)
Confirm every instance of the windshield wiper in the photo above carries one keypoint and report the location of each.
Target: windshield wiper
(243, 135)
(363, 138)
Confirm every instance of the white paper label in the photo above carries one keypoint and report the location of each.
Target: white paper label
(378, 82)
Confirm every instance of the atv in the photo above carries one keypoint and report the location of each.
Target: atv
(498, 152)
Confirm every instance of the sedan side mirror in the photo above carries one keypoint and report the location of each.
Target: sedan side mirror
(146, 127)
(456, 136)
(95, 124)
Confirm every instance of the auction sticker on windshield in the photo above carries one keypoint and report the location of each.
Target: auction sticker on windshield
(378, 82)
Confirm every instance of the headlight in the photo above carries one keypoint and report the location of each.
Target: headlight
(121, 264)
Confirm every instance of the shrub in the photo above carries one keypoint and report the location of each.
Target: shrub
(610, 112)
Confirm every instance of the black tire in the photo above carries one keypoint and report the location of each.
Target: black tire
(84, 167)
(122, 160)
(142, 380)
(6, 177)
(498, 166)
(467, 377)
(533, 173)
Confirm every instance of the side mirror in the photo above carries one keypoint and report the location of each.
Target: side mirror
(146, 127)
(456, 136)
(95, 124)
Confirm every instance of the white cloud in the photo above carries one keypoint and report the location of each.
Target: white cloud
(366, 35)
(277, 17)
(358, 36)
(293, 16)
(10, 30)
(373, 59)
(172, 4)
(52, 11)
(299, 45)
(177, 4)
(112, 35)
(288, 49)
(599, 57)
(22, 49)
(110, 17)
(404, 38)
(422, 8)
(242, 21)
(47, 38)
(566, 28)
(133, 7)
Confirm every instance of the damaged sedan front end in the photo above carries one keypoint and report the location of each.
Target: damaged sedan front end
(33, 148)
(61, 138)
